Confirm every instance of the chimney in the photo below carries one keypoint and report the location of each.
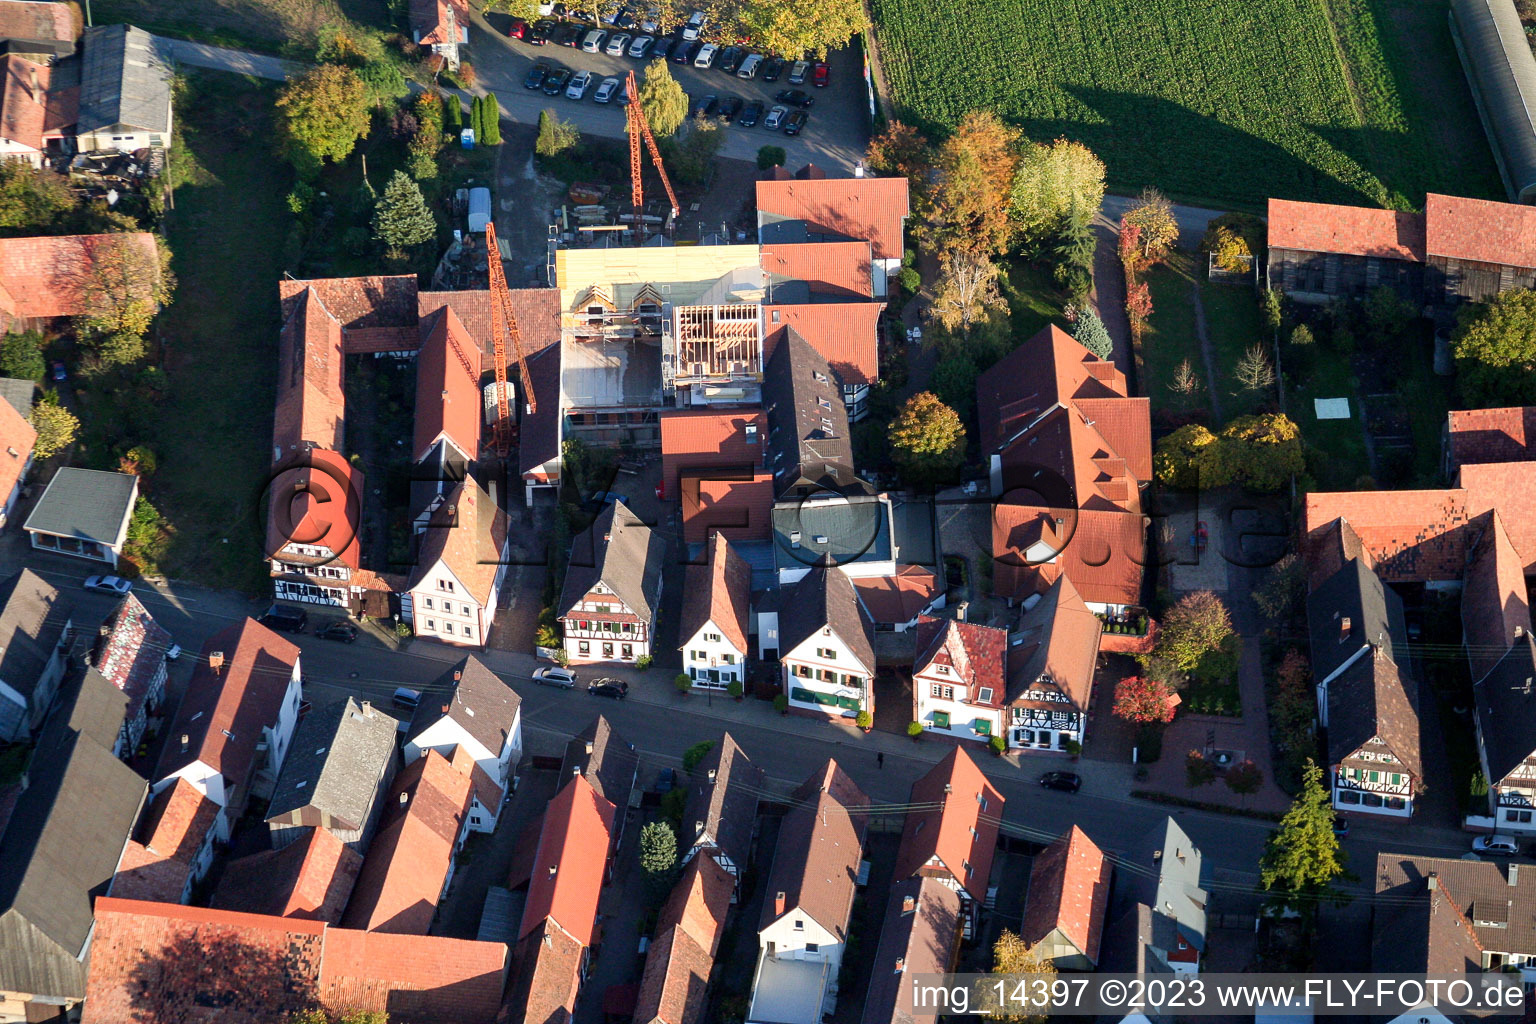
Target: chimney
(607, 537)
(1432, 882)
(901, 964)
(33, 69)
(368, 708)
(186, 742)
(778, 904)
(1344, 625)
(405, 798)
(215, 661)
(1157, 856)
(589, 746)
(457, 675)
(552, 869)
(445, 395)
(960, 610)
(711, 775)
(1514, 875)
(575, 769)
(698, 826)
(908, 904)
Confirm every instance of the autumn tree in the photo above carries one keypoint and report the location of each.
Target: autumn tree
(1012, 955)
(319, 1016)
(1254, 371)
(1245, 778)
(927, 438)
(1301, 858)
(32, 198)
(123, 280)
(968, 207)
(664, 102)
(401, 219)
(1189, 458)
(1138, 305)
(1090, 332)
(56, 429)
(1263, 452)
(1198, 769)
(1302, 336)
(1197, 625)
(1057, 184)
(428, 137)
(966, 288)
(1157, 230)
(901, 151)
(1495, 349)
(800, 26)
(1228, 250)
(1142, 700)
(1185, 380)
(320, 116)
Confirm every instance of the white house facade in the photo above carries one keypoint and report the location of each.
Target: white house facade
(446, 734)
(823, 674)
(713, 661)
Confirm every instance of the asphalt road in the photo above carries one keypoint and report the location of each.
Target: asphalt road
(835, 137)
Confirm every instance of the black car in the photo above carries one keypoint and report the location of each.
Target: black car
(288, 620)
(684, 51)
(795, 122)
(730, 59)
(1067, 782)
(773, 68)
(795, 97)
(554, 82)
(750, 115)
(536, 76)
(570, 34)
(615, 688)
(343, 631)
(625, 20)
(662, 47)
(705, 106)
(539, 34)
(729, 108)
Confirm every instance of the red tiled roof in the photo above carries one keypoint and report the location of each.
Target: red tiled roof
(699, 902)
(840, 269)
(359, 302)
(958, 832)
(567, 870)
(225, 709)
(1495, 605)
(739, 510)
(547, 976)
(315, 498)
(15, 433)
(869, 209)
(537, 311)
(708, 439)
(23, 105)
(448, 400)
(44, 22)
(899, 598)
(155, 865)
(1068, 890)
(161, 962)
(847, 334)
(467, 533)
(1416, 535)
(1125, 424)
(1480, 230)
(1511, 487)
(1350, 230)
(143, 874)
(430, 19)
(311, 402)
(1491, 435)
(131, 653)
(976, 654)
(1102, 552)
(718, 592)
(408, 862)
(678, 964)
(46, 275)
(1049, 368)
(311, 878)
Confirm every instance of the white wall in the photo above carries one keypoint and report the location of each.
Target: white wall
(701, 654)
(442, 608)
(842, 661)
(445, 735)
(789, 942)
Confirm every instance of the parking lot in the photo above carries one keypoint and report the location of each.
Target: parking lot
(834, 136)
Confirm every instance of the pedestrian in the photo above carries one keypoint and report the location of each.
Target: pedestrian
(880, 759)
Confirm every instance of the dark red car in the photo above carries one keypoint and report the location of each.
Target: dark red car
(820, 74)
(518, 29)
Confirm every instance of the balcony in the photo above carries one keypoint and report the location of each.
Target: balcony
(1131, 631)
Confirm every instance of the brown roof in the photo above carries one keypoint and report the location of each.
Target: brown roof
(1330, 547)
(566, 875)
(738, 509)
(699, 902)
(448, 400)
(36, 21)
(958, 836)
(359, 302)
(1048, 369)
(537, 311)
(1057, 647)
(315, 497)
(718, 592)
(311, 401)
(921, 940)
(898, 598)
(1068, 890)
(1491, 435)
(847, 334)
(605, 759)
(1416, 535)
(867, 209)
(158, 963)
(538, 440)
(15, 433)
(172, 831)
(467, 533)
(1499, 903)
(1423, 931)
(1510, 486)
(1350, 230)
(311, 878)
(1480, 230)
(678, 964)
(226, 709)
(824, 599)
(46, 276)
(708, 439)
(1101, 552)
(816, 863)
(546, 977)
(831, 269)
(624, 554)
(721, 809)
(1372, 709)
(1495, 605)
(23, 107)
(408, 861)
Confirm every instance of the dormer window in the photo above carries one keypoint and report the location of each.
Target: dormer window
(943, 670)
(984, 694)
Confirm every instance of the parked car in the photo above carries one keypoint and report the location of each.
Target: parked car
(539, 34)
(695, 25)
(173, 652)
(613, 17)
(536, 76)
(795, 97)
(58, 372)
(775, 118)
(773, 67)
(614, 688)
(730, 59)
(592, 42)
(518, 29)
(406, 698)
(1496, 846)
(821, 74)
(649, 22)
(1340, 826)
(794, 123)
(287, 620)
(618, 44)
(684, 51)
(706, 55)
(750, 115)
(1066, 782)
(662, 48)
(798, 72)
(624, 19)
(640, 46)
(579, 86)
(570, 34)
(705, 106)
(555, 81)
(605, 90)
(666, 780)
(343, 631)
(114, 585)
(751, 66)
(554, 675)
(729, 108)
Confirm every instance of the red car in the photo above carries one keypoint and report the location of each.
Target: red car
(518, 29)
(819, 74)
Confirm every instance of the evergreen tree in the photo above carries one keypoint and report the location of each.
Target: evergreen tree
(1301, 858)
(476, 108)
(658, 857)
(453, 116)
(401, 220)
(490, 120)
(1091, 333)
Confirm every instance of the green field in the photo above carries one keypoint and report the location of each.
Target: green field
(1223, 102)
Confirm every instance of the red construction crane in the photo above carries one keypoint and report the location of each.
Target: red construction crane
(504, 323)
(640, 128)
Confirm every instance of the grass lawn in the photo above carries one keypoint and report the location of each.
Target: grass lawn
(220, 335)
(285, 27)
(1169, 338)
(1033, 299)
(1339, 454)
(1234, 324)
(1225, 102)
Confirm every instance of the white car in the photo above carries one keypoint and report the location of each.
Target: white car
(1502, 846)
(706, 55)
(641, 46)
(605, 90)
(593, 41)
(798, 72)
(618, 44)
(694, 27)
(114, 585)
(775, 117)
(555, 676)
(749, 66)
(579, 86)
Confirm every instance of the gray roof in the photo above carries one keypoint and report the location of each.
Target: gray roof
(1506, 709)
(924, 939)
(623, 554)
(1502, 73)
(334, 764)
(1422, 931)
(19, 393)
(825, 597)
(857, 529)
(809, 446)
(482, 703)
(1497, 900)
(608, 760)
(1375, 615)
(63, 840)
(124, 80)
(88, 503)
(1163, 871)
(722, 800)
(915, 530)
(32, 618)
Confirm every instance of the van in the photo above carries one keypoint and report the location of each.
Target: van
(406, 698)
(750, 65)
(287, 620)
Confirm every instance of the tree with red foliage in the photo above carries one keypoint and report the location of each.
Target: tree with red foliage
(1130, 246)
(1138, 304)
(1244, 778)
(1138, 699)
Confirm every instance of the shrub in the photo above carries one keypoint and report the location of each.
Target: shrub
(770, 156)
(780, 703)
(914, 729)
(863, 719)
(1073, 747)
(403, 630)
(734, 689)
(696, 753)
(1197, 770)
(643, 663)
(997, 744)
(683, 682)
(21, 356)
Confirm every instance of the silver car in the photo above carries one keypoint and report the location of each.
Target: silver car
(605, 90)
(799, 71)
(641, 45)
(579, 86)
(592, 42)
(775, 117)
(554, 675)
(618, 44)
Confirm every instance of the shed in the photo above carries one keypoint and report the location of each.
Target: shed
(125, 91)
(479, 210)
(1502, 74)
(85, 513)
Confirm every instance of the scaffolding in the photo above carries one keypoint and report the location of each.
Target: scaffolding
(712, 346)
